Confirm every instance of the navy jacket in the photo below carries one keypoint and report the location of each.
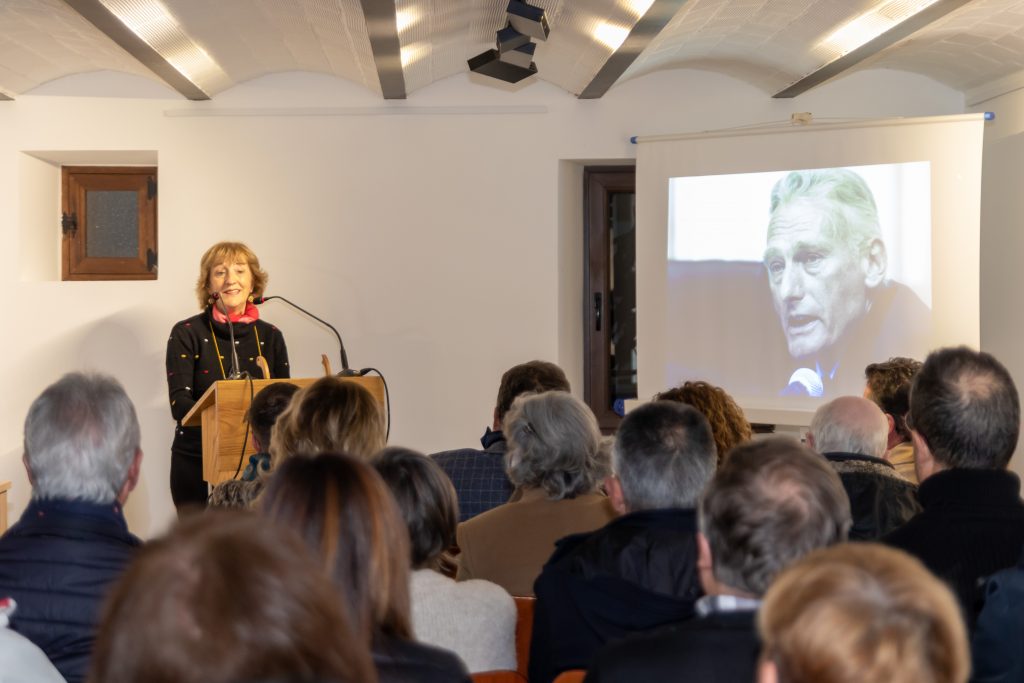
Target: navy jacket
(478, 476)
(636, 573)
(998, 644)
(58, 562)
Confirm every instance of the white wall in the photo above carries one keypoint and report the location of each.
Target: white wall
(445, 246)
(1002, 238)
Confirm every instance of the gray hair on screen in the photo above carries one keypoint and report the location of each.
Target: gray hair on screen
(81, 436)
(554, 445)
(664, 456)
(850, 424)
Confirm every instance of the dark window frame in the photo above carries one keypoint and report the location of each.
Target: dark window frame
(76, 181)
(599, 182)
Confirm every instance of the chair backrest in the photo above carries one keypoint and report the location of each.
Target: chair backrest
(571, 676)
(524, 631)
(498, 677)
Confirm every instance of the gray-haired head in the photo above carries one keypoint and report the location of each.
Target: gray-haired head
(81, 437)
(850, 424)
(770, 503)
(844, 202)
(664, 455)
(554, 444)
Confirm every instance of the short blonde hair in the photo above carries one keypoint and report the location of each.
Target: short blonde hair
(331, 415)
(862, 612)
(229, 252)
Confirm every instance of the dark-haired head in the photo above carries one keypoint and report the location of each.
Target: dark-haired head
(346, 514)
(226, 597)
(427, 499)
(534, 377)
(964, 406)
(266, 407)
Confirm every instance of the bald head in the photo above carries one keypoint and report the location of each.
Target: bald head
(850, 424)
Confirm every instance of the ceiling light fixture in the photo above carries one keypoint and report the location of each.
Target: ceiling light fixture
(869, 26)
(889, 22)
(406, 18)
(611, 35)
(154, 24)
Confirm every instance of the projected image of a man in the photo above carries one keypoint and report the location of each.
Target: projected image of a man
(824, 255)
(826, 265)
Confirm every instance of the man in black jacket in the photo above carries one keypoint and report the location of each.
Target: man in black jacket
(640, 570)
(965, 422)
(82, 455)
(770, 503)
(852, 433)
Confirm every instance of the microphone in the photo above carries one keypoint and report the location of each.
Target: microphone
(804, 382)
(346, 371)
(235, 372)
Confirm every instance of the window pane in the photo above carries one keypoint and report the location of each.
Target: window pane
(112, 224)
(622, 360)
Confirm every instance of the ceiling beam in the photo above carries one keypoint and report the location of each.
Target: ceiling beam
(107, 22)
(382, 25)
(871, 48)
(644, 31)
(5, 98)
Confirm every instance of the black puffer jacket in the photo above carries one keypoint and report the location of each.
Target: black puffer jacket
(58, 563)
(634, 574)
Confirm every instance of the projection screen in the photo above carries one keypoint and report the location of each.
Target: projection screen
(777, 263)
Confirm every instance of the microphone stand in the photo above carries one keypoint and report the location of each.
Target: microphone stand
(235, 372)
(346, 371)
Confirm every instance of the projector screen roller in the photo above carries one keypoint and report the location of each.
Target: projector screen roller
(778, 262)
(827, 269)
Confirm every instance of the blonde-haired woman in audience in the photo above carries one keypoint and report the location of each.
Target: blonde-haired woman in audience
(331, 415)
(224, 598)
(861, 612)
(729, 425)
(556, 462)
(474, 619)
(348, 517)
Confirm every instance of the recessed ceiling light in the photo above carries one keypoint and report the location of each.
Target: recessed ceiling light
(611, 35)
(406, 18)
(869, 26)
(154, 24)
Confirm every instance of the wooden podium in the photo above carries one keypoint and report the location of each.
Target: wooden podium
(221, 411)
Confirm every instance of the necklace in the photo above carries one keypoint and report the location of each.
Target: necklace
(216, 347)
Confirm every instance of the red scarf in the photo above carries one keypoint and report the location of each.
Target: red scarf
(250, 315)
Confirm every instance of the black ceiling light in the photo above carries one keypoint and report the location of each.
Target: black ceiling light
(512, 59)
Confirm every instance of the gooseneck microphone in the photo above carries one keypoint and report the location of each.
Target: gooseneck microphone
(235, 372)
(346, 371)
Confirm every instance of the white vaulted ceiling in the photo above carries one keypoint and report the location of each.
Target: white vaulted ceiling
(768, 43)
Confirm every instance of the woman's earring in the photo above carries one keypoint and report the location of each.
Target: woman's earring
(251, 298)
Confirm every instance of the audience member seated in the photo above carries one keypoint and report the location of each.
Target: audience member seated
(226, 597)
(347, 515)
(20, 660)
(57, 562)
(770, 503)
(331, 415)
(639, 571)
(263, 412)
(556, 462)
(888, 385)
(861, 612)
(997, 646)
(479, 475)
(851, 433)
(474, 619)
(729, 425)
(964, 422)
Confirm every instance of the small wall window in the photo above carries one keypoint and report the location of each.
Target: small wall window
(108, 223)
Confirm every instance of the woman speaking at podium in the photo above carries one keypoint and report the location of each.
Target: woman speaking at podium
(199, 352)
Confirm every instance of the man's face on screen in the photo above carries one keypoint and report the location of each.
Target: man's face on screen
(817, 281)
